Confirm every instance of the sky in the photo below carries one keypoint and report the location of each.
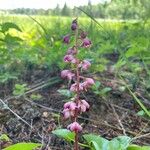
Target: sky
(45, 4)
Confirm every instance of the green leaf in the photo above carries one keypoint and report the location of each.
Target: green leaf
(23, 146)
(114, 145)
(124, 141)
(136, 147)
(105, 90)
(4, 137)
(141, 113)
(64, 133)
(96, 142)
(9, 25)
(65, 92)
(119, 143)
(12, 39)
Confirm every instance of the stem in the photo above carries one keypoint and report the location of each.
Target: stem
(76, 141)
(78, 91)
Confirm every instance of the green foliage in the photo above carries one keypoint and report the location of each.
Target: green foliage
(23, 146)
(4, 137)
(65, 92)
(9, 25)
(20, 89)
(136, 147)
(7, 77)
(36, 96)
(95, 142)
(99, 143)
(65, 134)
(98, 90)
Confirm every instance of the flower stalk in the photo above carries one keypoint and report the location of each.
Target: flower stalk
(74, 108)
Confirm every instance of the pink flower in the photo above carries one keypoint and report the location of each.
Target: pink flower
(70, 105)
(67, 113)
(73, 87)
(66, 39)
(71, 51)
(69, 109)
(68, 58)
(83, 105)
(75, 126)
(85, 64)
(87, 83)
(67, 74)
(86, 43)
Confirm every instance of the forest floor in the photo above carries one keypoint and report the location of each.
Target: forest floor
(109, 116)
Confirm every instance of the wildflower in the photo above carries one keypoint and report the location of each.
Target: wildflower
(70, 105)
(83, 105)
(86, 43)
(75, 126)
(68, 58)
(71, 51)
(73, 87)
(85, 64)
(67, 74)
(87, 83)
(66, 39)
(67, 113)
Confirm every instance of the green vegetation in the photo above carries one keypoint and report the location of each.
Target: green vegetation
(31, 48)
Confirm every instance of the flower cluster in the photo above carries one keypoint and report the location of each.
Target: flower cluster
(79, 83)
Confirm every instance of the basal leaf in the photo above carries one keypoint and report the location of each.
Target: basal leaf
(64, 133)
(23, 146)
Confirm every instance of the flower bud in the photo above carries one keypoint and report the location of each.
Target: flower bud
(73, 26)
(75, 126)
(83, 35)
(86, 43)
(66, 39)
(67, 113)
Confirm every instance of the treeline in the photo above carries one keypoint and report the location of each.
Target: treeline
(118, 9)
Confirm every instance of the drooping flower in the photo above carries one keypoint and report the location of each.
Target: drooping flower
(85, 64)
(83, 105)
(88, 83)
(74, 87)
(67, 74)
(86, 43)
(68, 58)
(72, 51)
(70, 105)
(67, 113)
(75, 126)
(69, 109)
(66, 39)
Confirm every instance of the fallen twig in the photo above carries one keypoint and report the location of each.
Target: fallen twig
(7, 107)
(119, 121)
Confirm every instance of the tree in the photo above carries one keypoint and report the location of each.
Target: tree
(65, 10)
